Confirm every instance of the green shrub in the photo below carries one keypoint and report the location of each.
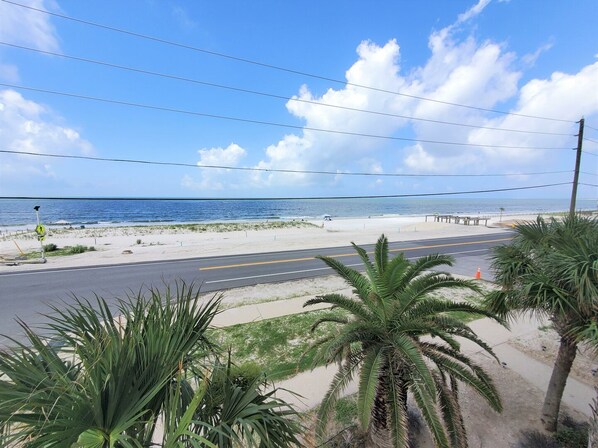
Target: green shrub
(346, 411)
(51, 247)
(245, 374)
(572, 434)
(78, 249)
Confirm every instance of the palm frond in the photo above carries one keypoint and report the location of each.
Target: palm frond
(397, 404)
(426, 403)
(340, 381)
(368, 384)
(470, 375)
(451, 412)
(354, 278)
(381, 254)
(343, 302)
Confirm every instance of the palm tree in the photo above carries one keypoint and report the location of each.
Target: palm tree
(551, 269)
(102, 381)
(401, 339)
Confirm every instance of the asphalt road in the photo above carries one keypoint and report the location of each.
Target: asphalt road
(25, 294)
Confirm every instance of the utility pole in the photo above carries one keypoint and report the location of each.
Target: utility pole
(577, 163)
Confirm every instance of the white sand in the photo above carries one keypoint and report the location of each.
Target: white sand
(161, 243)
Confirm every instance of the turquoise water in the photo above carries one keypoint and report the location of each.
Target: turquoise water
(110, 212)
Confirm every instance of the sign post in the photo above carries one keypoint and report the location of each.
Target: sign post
(40, 229)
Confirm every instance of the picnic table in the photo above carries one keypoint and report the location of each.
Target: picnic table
(466, 220)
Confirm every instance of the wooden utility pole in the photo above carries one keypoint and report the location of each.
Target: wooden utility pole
(577, 163)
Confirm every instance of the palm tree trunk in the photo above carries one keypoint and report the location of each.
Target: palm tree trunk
(593, 429)
(558, 380)
(379, 432)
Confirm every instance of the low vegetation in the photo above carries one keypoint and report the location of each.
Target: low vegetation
(570, 434)
(279, 345)
(51, 250)
(106, 382)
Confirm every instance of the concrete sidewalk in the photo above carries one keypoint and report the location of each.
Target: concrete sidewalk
(311, 386)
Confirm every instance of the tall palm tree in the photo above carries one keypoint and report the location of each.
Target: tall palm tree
(551, 269)
(96, 380)
(400, 339)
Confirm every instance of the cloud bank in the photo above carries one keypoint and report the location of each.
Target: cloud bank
(460, 69)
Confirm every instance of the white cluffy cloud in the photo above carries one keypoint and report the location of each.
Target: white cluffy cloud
(459, 70)
(28, 27)
(27, 126)
(215, 178)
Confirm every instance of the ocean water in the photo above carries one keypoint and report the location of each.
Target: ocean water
(20, 213)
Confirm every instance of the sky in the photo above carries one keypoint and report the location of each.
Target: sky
(336, 86)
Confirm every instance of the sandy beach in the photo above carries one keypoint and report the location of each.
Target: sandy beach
(131, 244)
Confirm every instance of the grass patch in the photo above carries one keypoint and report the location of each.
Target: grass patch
(276, 344)
(54, 251)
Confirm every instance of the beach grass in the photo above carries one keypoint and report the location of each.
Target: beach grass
(54, 251)
(280, 345)
(157, 229)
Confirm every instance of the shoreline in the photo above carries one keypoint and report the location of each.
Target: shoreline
(74, 225)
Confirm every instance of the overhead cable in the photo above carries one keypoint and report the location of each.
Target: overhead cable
(272, 95)
(413, 195)
(588, 185)
(271, 170)
(267, 123)
(590, 140)
(274, 67)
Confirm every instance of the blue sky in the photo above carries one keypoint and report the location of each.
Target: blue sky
(532, 58)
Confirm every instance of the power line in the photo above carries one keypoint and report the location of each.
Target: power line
(588, 173)
(446, 193)
(271, 95)
(274, 67)
(590, 153)
(588, 185)
(587, 125)
(590, 140)
(270, 170)
(266, 123)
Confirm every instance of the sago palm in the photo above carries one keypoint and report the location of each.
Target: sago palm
(400, 339)
(551, 269)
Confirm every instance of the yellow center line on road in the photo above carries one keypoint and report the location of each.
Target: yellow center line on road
(294, 260)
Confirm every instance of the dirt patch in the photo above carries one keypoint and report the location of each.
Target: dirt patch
(543, 346)
(270, 292)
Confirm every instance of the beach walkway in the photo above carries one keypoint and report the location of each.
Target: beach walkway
(311, 386)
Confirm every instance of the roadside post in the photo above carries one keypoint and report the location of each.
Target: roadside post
(40, 230)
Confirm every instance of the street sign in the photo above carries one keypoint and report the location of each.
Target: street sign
(40, 229)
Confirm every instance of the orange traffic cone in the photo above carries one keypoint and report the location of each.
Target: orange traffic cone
(478, 274)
